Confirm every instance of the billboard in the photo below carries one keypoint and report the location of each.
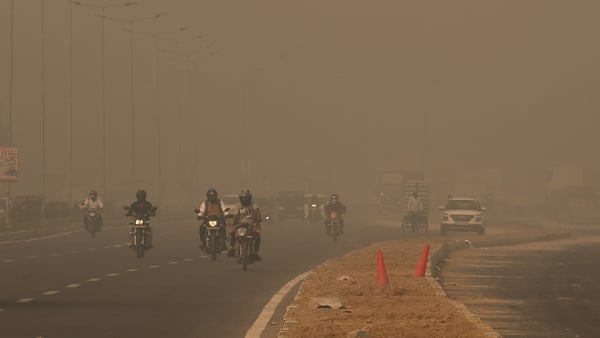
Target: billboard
(9, 164)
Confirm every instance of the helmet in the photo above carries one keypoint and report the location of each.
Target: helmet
(245, 197)
(212, 195)
(140, 195)
(93, 195)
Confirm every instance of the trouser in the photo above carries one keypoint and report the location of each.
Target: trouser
(149, 234)
(202, 233)
(414, 218)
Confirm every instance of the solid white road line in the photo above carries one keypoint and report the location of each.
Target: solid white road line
(72, 286)
(24, 300)
(50, 293)
(263, 319)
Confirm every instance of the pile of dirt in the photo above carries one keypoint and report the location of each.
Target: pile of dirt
(407, 307)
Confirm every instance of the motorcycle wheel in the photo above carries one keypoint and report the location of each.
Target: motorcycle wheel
(139, 246)
(245, 248)
(213, 247)
(334, 232)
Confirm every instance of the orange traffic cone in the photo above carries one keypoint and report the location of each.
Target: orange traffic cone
(420, 272)
(382, 278)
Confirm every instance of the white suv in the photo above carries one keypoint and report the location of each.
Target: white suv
(462, 214)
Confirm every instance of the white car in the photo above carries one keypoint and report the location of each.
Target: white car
(462, 214)
(231, 202)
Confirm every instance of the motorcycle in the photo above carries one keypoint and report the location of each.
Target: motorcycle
(212, 225)
(244, 244)
(93, 221)
(334, 225)
(140, 233)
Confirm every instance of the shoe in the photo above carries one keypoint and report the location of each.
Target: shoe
(231, 253)
(131, 244)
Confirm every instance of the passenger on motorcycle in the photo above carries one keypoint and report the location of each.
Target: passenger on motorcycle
(212, 206)
(248, 212)
(143, 209)
(334, 205)
(92, 202)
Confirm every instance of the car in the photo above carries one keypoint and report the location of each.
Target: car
(232, 202)
(290, 204)
(462, 214)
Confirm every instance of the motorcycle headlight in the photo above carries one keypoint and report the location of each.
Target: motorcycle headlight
(242, 232)
(212, 223)
(267, 218)
(93, 213)
(313, 205)
(139, 221)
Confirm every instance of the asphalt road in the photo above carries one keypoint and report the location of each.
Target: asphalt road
(531, 290)
(78, 286)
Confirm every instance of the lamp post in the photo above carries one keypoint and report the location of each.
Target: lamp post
(102, 8)
(130, 23)
(156, 37)
(43, 59)
(10, 92)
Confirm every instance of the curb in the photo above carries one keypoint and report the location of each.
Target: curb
(432, 276)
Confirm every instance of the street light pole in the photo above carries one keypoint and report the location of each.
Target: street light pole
(10, 92)
(102, 8)
(130, 29)
(156, 37)
(43, 31)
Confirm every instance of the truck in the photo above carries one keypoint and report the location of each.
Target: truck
(391, 189)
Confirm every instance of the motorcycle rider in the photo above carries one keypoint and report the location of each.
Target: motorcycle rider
(248, 212)
(143, 209)
(92, 202)
(212, 205)
(334, 204)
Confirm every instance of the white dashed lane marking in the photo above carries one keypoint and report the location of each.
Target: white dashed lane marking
(8, 260)
(72, 286)
(132, 270)
(24, 300)
(32, 257)
(112, 274)
(93, 280)
(91, 249)
(50, 293)
(74, 251)
(188, 260)
(55, 254)
(154, 266)
(173, 262)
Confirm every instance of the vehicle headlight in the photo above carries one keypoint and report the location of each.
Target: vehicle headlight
(242, 232)
(313, 205)
(139, 221)
(212, 223)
